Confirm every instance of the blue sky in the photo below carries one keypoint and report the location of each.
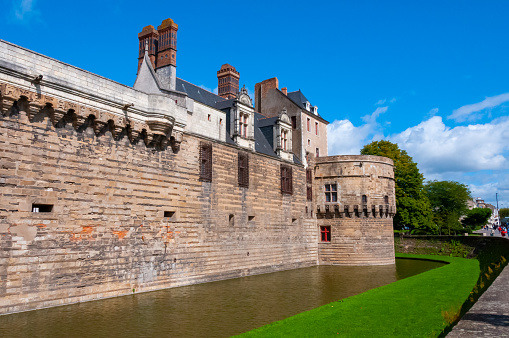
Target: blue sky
(430, 75)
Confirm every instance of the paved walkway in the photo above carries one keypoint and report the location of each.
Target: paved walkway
(496, 233)
(489, 317)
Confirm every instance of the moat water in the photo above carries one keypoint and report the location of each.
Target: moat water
(217, 309)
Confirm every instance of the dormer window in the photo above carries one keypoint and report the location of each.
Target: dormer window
(307, 105)
(282, 134)
(243, 124)
(284, 140)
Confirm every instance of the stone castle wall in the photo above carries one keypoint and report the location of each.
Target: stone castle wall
(107, 234)
(360, 220)
(121, 205)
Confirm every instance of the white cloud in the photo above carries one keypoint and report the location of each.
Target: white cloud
(467, 112)
(440, 149)
(24, 11)
(372, 118)
(433, 112)
(382, 102)
(346, 139)
(216, 90)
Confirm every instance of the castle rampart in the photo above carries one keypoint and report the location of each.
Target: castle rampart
(106, 190)
(355, 204)
(123, 217)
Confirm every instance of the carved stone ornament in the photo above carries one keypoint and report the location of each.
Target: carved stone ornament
(244, 98)
(161, 126)
(283, 116)
(177, 136)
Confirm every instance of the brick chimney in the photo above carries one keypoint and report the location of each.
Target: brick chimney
(150, 35)
(166, 62)
(284, 90)
(167, 51)
(227, 82)
(162, 51)
(261, 90)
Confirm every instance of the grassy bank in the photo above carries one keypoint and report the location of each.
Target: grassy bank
(419, 306)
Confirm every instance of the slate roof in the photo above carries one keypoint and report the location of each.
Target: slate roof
(298, 98)
(197, 93)
(262, 145)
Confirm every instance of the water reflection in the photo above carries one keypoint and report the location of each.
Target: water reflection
(218, 309)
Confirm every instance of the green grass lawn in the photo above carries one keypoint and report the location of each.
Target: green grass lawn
(418, 306)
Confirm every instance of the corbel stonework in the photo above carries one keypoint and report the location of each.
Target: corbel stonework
(59, 111)
(135, 129)
(118, 126)
(100, 122)
(35, 105)
(148, 139)
(9, 95)
(176, 139)
(82, 116)
(162, 127)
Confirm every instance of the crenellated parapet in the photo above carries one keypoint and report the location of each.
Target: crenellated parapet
(354, 186)
(157, 131)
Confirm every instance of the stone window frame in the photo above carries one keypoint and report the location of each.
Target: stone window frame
(205, 162)
(243, 170)
(284, 139)
(286, 179)
(243, 124)
(325, 234)
(331, 192)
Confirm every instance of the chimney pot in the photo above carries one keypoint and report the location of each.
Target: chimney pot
(284, 90)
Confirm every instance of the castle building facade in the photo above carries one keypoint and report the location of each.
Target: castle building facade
(108, 189)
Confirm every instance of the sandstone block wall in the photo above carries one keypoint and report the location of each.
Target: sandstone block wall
(360, 220)
(107, 234)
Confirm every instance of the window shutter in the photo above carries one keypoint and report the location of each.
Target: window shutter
(206, 162)
(243, 170)
(282, 179)
(246, 171)
(286, 179)
(290, 181)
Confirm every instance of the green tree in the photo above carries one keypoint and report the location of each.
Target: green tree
(504, 212)
(412, 205)
(476, 218)
(449, 202)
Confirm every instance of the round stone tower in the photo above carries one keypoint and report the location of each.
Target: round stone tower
(355, 204)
